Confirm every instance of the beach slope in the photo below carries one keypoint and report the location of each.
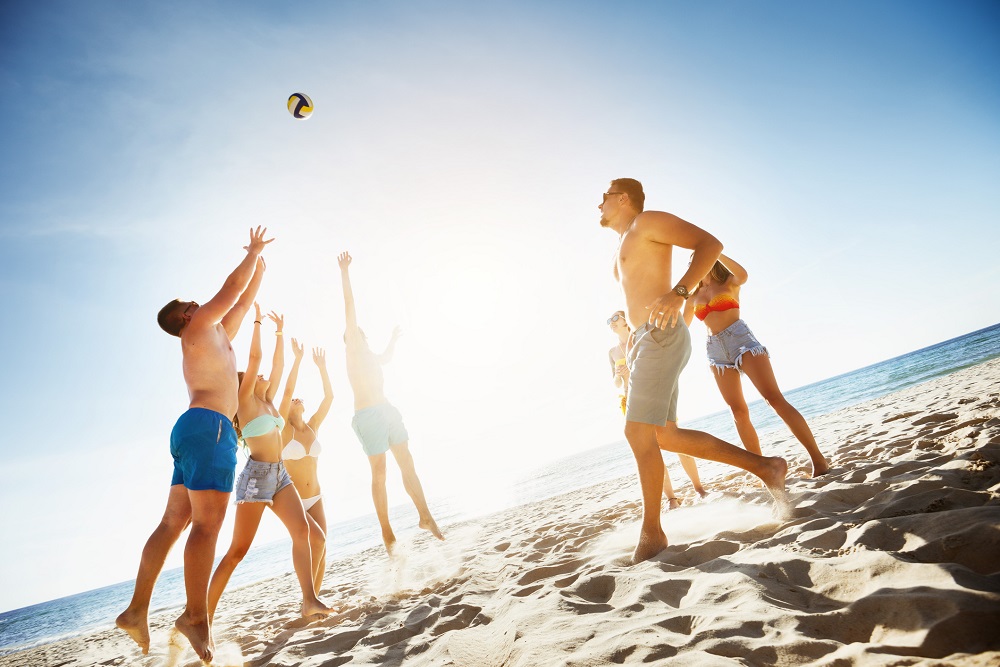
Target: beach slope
(893, 558)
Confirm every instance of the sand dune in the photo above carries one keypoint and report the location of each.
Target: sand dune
(893, 558)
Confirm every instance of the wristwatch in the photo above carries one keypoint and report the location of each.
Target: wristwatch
(682, 291)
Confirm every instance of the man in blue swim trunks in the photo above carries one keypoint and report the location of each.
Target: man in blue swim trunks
(659, 348)
(378, 424)
(203, 444)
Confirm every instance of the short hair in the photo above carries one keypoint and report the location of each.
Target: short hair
(171, 317)
(633, 189)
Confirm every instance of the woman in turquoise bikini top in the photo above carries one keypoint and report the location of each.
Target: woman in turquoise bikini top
(261, 433)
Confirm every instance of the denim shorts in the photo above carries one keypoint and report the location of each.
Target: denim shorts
(379, 427)
(726, 348)
(203, 445)
(259, 482)
(655, 360)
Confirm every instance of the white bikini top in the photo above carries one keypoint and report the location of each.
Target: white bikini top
(295, 450)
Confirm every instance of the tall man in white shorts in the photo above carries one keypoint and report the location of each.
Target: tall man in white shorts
(660, 347)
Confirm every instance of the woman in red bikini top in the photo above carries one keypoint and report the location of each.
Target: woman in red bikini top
(733, 349)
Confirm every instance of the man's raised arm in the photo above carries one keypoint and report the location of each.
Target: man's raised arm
(351, 315)
(233, 320)
(236, 283)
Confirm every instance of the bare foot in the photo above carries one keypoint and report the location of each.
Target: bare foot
(649, 546)
(389, 539)
(673, 503)
(773, 475)
(198, 633)
(315, 608)
(430, 524)
(700, 490)
(136, 625)
(821, 469)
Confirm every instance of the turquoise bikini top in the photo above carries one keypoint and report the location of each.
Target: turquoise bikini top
(261, 425)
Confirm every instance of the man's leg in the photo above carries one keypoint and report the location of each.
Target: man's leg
(771, 469)
(381, 500)
(176, 517)
(208, 509)
(412, 485)
(642, 439)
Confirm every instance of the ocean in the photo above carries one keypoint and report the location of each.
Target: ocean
(77, 614)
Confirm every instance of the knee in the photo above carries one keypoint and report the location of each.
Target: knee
(776, 401)
(741, 413)
(632, 431)
(317, 538)
(378, 474)
(175, 523)
(236, 553)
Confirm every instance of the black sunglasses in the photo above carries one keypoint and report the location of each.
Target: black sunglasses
(608, 194)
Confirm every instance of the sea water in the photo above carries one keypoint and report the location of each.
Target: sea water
(92, 610)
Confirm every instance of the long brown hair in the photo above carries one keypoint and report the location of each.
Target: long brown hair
(720, 273)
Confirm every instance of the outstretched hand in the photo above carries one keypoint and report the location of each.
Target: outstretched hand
(344, 260)
(297, 349)
(319, 357)
(257, 242)
(256, 310)
(279, 320)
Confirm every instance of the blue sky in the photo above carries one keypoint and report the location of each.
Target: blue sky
(846, 153)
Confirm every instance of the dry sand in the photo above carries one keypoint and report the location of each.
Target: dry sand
(893, 558)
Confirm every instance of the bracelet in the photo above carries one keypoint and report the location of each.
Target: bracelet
(277, 333)
(256, 321)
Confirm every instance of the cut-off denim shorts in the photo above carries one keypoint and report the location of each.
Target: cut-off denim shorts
(260, 481)
(726, 348)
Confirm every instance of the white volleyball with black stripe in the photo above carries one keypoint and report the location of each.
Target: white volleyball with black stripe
(299, 105)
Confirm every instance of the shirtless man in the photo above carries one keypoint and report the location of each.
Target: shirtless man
(378, 424)
(660, 347)
(203, 445)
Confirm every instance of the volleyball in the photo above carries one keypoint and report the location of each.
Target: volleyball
(299, 105)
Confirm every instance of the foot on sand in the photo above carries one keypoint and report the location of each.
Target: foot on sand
(773, 476)
(821, 469)
(428, 523)
(198, 633)
(673, 503)
(649, 545)
(137, 626)
(389, 540)
(315, 608)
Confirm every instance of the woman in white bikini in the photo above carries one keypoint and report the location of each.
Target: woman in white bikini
(264, 481)
(620, 374)
(733, 350)
(301, 454)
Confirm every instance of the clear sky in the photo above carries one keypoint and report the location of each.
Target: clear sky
(847, 154)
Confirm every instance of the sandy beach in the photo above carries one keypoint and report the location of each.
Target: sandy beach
(893, 558)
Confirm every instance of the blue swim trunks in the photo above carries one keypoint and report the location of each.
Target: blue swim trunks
(203, 444)
(379, 427)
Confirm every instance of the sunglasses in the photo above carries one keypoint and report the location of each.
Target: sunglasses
(615, 318)
(609, 194)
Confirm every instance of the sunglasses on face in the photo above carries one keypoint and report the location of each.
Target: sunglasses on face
(614, 318)
(611, 194)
